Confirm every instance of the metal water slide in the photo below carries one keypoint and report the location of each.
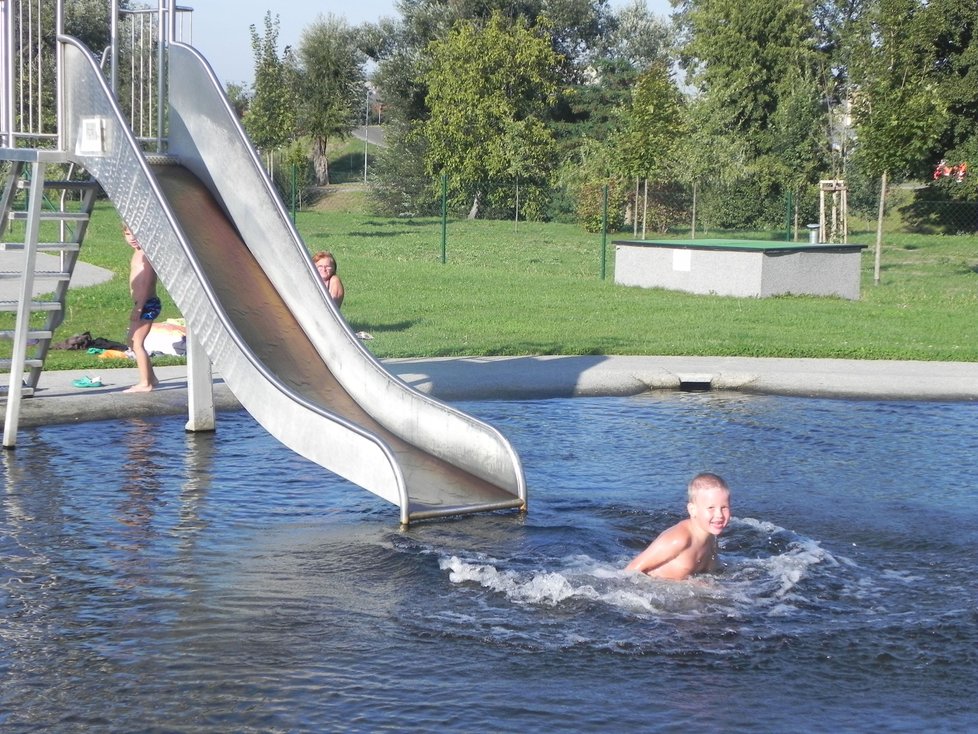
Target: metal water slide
(225, 248)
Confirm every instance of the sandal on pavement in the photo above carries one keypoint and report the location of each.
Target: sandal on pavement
(87, 382)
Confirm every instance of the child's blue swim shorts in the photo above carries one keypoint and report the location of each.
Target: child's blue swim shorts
(151, 309)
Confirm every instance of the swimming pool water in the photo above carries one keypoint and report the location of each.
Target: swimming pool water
(153, 580)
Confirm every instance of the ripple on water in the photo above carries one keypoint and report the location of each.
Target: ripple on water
(155, 579)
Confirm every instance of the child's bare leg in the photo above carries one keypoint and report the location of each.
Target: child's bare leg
(147, 378)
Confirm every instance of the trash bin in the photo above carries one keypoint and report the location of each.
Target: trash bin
(813, 231)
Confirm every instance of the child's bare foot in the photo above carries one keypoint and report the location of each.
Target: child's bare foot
(143, 388)
(140, 388)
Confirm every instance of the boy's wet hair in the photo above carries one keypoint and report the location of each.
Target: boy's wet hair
(705, 480)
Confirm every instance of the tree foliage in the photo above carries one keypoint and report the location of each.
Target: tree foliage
(896, 104)
(651, 127)
(756, 67)
(489, 88)
(954, 28)
(332, 95)
(496, 92)
(270, 119)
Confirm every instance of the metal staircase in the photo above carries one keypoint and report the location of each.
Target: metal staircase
(37, 215)
(41, 218)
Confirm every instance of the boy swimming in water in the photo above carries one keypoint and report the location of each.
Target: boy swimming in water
(690, 546)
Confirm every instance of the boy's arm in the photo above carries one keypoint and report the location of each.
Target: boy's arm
(663, 549)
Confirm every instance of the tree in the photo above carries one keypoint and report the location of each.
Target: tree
(270, 117)
(601, 50)
(88, 21)
(639, 37)
(238, 97)
(631, 40)
(332, 92)
(651, 128)
(897, 109)
(488, 87)
(755, 66)
(954, 25)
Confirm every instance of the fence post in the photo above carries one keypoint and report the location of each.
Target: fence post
(789, 201)
(444, 217)
(293, 192)
(604, 229)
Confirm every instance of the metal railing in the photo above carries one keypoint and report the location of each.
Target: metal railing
(137, 37)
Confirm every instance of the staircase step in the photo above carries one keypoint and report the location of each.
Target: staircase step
(5, 364)
(37, 335)
(64, 185)
(51, 216)
(38, 275)
(162, 159)
(13, 306)
(41, 247)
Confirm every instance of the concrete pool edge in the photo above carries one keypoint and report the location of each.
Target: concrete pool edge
(58, 401)
(547, 376)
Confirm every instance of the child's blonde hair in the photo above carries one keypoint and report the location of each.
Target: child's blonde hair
(705, 480)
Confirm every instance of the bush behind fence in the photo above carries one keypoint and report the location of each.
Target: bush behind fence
(632, 207)
(652, 208)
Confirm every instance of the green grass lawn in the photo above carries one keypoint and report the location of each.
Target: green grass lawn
(526, 288)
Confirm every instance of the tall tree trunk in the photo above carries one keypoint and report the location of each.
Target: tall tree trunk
(320, 163)
(476, 202)
(879, 231)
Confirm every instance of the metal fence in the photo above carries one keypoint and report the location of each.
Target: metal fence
(836, 208)
(131, 52)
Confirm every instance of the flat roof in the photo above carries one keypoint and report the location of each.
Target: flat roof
(742, 245)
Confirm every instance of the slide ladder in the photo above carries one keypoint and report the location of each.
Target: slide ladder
(48, 217)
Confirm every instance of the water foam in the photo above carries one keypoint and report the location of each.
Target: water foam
(769, 572)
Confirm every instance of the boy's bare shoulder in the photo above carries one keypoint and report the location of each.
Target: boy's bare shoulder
(678, 534)
(667, 546)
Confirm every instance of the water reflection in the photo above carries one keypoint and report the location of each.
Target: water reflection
(198, 474)
(154, 579)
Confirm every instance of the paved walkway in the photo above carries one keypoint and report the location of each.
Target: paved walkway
(58, 401)
(13, 262)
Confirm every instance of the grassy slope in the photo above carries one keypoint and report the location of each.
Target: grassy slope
(536, 289)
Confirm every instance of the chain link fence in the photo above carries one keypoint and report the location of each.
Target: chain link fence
(646, 209)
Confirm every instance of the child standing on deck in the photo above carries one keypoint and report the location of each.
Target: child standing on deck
(690, 546)
(145, 308)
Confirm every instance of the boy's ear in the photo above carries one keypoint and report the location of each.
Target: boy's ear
(691, 508)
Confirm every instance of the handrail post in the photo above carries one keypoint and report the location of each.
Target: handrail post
(604, 230)
(59, 29)
(161, 47)
(444, 217)
(7, 72)
(114, 47)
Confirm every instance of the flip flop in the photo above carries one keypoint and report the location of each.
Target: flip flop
(87, 382)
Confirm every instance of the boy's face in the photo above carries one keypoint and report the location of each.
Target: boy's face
(710, 509)
(130, 238)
